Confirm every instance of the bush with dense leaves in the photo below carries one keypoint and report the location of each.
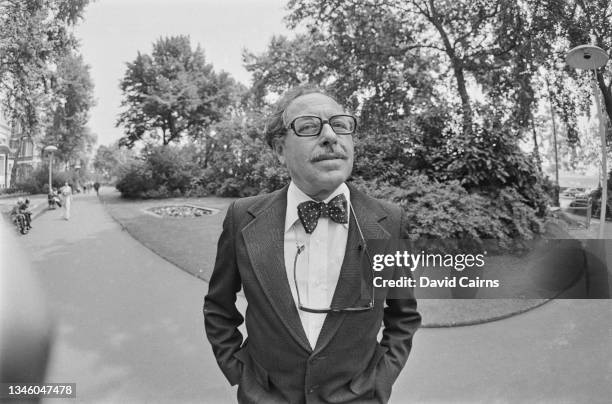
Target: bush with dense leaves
(490, 162)
(170, 167)
(447, 211)
(240, 163)
(235, 162)
(135, 180)
(391, 153)
(164, 171)
(38, 181)
(486, 163)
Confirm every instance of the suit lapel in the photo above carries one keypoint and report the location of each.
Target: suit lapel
(349, 287)
(264, 238)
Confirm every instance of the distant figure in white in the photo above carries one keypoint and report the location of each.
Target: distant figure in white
(66, 193)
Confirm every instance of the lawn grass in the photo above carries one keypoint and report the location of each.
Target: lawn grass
(189, 243)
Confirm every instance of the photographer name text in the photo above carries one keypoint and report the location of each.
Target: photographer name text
(423, 260)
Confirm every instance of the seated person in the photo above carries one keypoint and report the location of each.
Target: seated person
(17, 211)
(24, 208)
(54, 198)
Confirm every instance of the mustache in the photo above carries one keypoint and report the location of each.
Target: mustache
(329, 156)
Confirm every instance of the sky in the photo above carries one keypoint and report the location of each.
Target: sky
(113, 31)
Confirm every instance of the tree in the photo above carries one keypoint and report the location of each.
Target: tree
(34, 36)
(485, 43)
(410, 69)
(575, 22)
(109, 160)
(68, 109)
(241, 162)
(588, 22)
(363, 56)
(173, 93)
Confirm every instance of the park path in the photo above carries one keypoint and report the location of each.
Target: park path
(129, 329)
(129, 325)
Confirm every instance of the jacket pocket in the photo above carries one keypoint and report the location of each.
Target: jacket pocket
(251, 367)
(365, 382)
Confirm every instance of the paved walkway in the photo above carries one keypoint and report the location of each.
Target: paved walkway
(129, 329)
(129, 324)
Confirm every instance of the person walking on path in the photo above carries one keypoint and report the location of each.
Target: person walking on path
(66, 192)
(97, 187)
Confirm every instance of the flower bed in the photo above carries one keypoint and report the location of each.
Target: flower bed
(180, 211)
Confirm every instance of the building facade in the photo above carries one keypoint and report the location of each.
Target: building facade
(11, 137)
(5, 162)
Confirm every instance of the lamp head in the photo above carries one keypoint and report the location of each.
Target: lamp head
(586, 57)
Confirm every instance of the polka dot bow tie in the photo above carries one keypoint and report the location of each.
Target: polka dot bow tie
(310, 211)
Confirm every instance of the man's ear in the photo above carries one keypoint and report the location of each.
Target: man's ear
(278, 145)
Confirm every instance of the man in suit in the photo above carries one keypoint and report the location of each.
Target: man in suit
(298, 254)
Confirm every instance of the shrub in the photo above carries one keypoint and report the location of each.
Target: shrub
(491, 161)
(241, 163)
(196, 191)
(10, 191)
(135, 181)
(29, 185)
(445, 210)
(170, 168)
(486, 162)
(38, 181)
(230, 187)
(235, 162)
(165, 171)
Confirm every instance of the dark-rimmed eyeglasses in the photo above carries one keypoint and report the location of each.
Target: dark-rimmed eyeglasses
(310, 125)
(354, 309)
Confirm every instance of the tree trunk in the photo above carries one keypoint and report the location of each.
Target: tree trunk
(554, 133)
(171, 129)
(465, 98)
(536, 149)
(15, 161)
(607, 95)
(457, 64)
(208, 150)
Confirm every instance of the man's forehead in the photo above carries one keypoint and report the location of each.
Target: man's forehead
(313, 103)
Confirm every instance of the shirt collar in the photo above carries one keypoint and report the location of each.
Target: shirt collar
(295, 196)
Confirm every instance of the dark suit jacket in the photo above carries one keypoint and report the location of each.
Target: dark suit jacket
(276, 363)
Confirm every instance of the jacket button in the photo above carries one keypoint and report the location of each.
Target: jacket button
(313, 388)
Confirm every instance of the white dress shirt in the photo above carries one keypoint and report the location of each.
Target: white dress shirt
(318, 265)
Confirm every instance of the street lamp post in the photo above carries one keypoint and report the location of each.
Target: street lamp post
(6, 151)
(77, 182)
(50, 149)
(591, 57)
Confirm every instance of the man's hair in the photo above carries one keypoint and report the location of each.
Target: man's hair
(275, 125)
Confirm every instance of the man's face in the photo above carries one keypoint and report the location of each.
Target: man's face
(317, 164)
